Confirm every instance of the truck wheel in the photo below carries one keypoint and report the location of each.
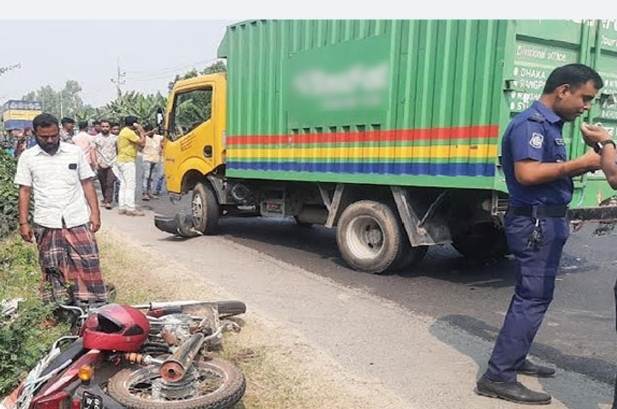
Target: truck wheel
(409, 257)
(205, 209)
(482, 241)
(369, 236)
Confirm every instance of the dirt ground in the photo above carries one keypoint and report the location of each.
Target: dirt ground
(281, 369)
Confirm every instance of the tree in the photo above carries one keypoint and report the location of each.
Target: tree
(218, 66)
(86, 113)
(48, 97)
(71, 101)
(134, 103)
(66, 102)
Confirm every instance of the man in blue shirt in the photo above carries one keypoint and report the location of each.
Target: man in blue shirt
(539, 179)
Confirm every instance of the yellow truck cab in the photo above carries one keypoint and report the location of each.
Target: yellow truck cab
(195, 131)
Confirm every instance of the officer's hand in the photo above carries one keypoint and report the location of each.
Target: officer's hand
(594, 133)
(26, 232)
(591, 161)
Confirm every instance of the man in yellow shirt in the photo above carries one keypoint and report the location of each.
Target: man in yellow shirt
(130, 138)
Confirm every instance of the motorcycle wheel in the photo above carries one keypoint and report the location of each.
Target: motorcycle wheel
(220, 386)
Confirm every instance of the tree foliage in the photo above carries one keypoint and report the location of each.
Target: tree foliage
(26, 337)
(193, 108)
(134, 103)
(65, 102)
(218, 66)
(8, 194)
(68, 102)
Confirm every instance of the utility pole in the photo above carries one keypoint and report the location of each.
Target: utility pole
(119, 80)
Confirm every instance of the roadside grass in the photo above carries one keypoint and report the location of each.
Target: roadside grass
(28, 336)
(281, 371)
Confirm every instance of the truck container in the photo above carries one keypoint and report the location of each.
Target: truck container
(389, 130)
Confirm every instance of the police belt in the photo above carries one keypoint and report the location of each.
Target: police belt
(539, 211)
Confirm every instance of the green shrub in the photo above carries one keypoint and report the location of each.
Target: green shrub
(8, 194)
(24, 340)
(28, 336)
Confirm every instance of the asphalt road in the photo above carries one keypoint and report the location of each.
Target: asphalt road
(578, 333)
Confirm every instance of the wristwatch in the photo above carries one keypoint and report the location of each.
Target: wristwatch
(598, 146)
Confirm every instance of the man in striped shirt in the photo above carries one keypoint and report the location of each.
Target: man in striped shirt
(66, 212)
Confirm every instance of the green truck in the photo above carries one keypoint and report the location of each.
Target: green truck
(387, 130)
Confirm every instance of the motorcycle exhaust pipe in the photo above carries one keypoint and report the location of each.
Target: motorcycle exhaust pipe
(175, 367)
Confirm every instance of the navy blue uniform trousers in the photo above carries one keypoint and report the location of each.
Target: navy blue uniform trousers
(535, 284)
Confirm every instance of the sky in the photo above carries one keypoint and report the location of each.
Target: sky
(149, 52)
(152, 40)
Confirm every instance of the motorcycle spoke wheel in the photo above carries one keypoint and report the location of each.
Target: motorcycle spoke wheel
(217, 384)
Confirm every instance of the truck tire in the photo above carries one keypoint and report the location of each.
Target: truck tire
(370, 236)
(205, 209)
(481, 241)
(409, 257)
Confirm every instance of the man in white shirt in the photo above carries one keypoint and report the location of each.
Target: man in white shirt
(66, 212)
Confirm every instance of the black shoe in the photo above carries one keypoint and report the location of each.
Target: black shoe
(512, 392)
(531, 369)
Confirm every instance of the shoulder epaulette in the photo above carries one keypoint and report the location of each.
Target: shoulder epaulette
(536, 117)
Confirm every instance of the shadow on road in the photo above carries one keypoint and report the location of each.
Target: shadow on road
(442, 262)
(475, 289)
(579, 398)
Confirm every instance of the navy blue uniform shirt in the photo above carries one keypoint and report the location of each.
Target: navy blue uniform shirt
(535, 134)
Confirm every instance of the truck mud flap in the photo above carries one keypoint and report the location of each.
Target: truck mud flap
(180, 224)
(167, 224)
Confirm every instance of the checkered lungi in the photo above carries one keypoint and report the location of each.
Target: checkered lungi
(74, 255)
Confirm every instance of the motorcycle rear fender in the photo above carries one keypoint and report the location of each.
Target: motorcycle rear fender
(64, 378)
(56, 400)
(74, 351)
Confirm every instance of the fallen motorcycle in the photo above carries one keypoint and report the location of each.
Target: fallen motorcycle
(155, 355)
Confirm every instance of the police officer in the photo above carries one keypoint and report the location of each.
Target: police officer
(600, 140)
(539, 180)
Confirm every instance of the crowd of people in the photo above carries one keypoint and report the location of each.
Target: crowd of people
(118, 155)
(16, 141)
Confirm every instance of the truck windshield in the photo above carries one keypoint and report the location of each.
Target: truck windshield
(191, 109)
